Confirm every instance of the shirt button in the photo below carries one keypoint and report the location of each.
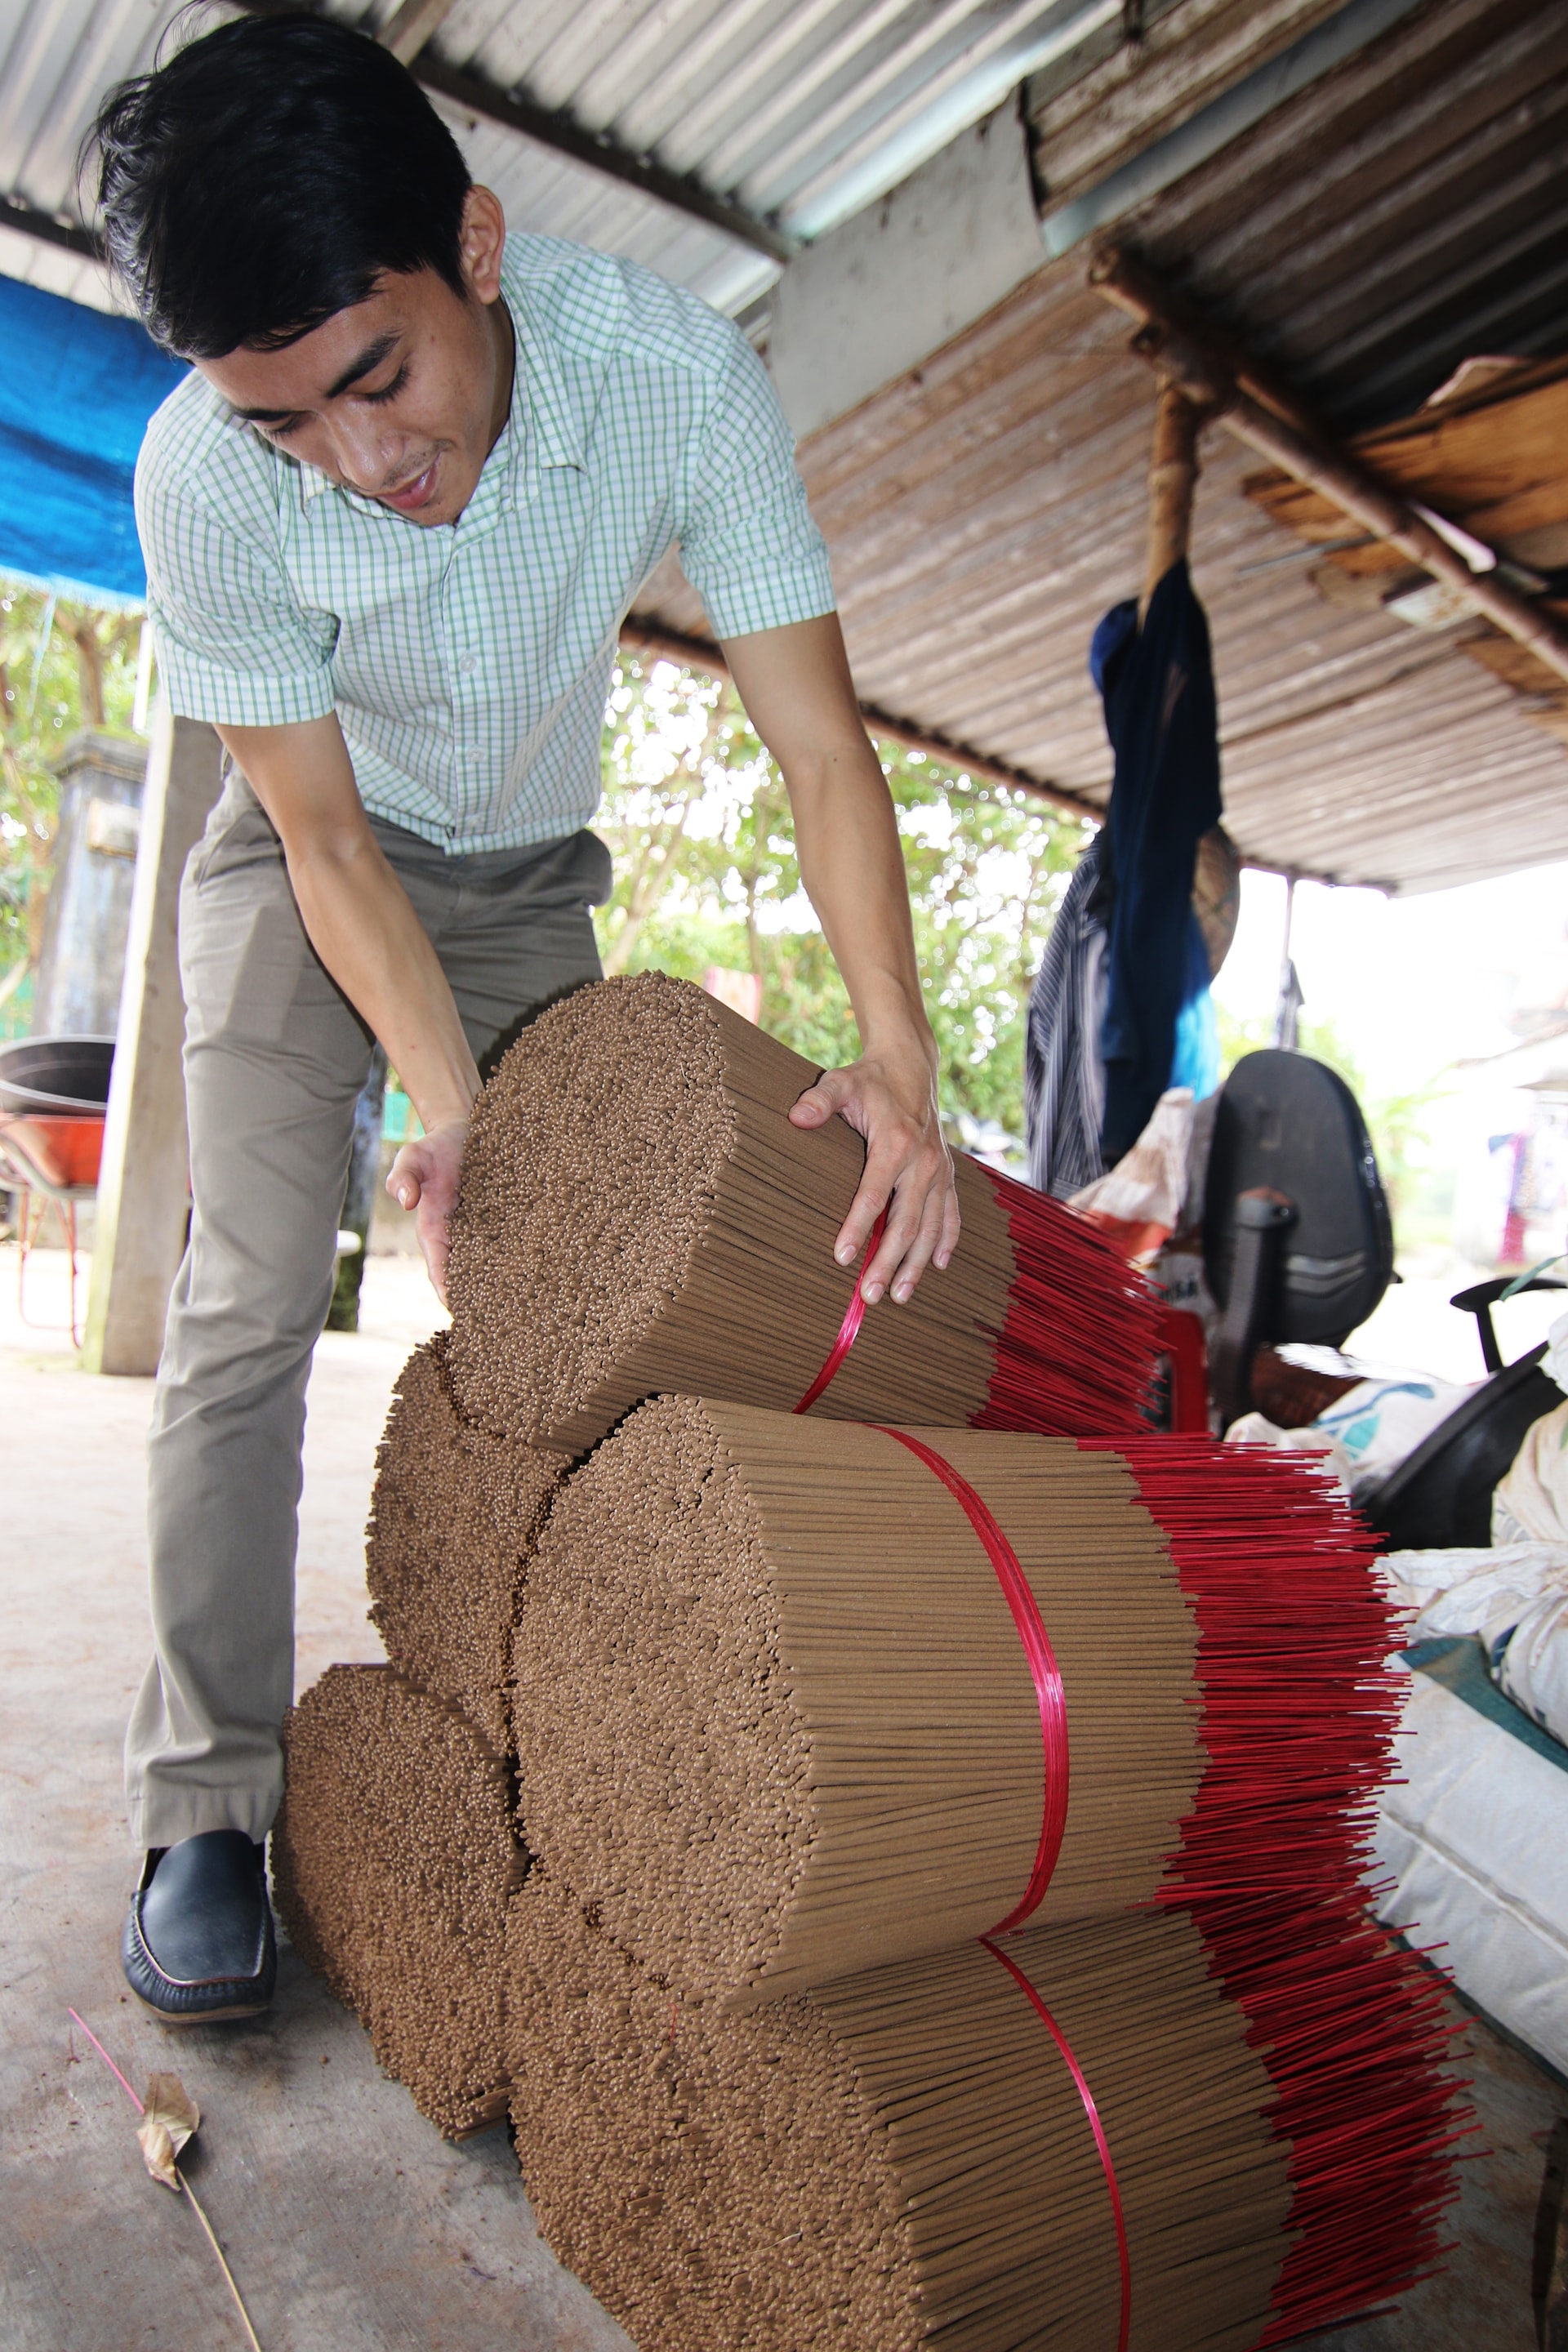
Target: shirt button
(467, 663)
(472, 755)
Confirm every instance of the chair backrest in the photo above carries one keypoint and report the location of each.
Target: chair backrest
(1290, 1124)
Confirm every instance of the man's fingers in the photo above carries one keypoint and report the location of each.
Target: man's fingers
(920, 1254)
(952, 1225)
(431, 1228)
(855, 1230)
(902, 1225)
(915, 1229)
(404, 1180)
(822, 1101)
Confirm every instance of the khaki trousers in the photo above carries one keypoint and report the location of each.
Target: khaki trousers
(275, 1056)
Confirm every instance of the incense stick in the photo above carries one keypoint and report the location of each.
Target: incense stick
(902, 2156)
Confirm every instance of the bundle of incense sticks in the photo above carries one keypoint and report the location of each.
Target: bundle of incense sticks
(786, 1690)
(1063, 2140)
(777, 1718)
(1287, 1629)
(637, 1213)
(455, 1514)
(393, 1862)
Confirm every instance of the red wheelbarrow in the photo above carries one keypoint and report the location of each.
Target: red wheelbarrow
(53, 1096)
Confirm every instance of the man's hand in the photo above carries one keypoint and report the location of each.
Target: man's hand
(796, 684)
(423, 1178)
(909, 1170)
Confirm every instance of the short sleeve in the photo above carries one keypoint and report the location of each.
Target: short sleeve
(233, 645)
(749, 545)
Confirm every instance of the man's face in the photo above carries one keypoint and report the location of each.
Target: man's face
(401, 397)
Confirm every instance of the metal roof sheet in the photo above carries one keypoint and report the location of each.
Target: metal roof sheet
(983, 512)
(1397, 213)
(797, 111)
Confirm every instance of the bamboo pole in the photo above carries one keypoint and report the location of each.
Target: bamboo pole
(1205, 369)
(1172, 477)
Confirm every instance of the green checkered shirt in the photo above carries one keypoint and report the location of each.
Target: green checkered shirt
(469, 664)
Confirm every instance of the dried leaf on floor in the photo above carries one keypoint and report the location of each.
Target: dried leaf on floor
(169, 2118)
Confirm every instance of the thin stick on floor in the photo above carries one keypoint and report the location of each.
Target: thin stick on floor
(195, 2207)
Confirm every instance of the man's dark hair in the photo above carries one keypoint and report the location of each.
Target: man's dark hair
(265, 177)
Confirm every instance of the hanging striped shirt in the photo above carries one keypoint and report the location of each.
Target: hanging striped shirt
(469, 664)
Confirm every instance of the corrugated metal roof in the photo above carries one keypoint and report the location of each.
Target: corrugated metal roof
(796, 111)
(1405, 212)
(1399, 213)
(986, 511)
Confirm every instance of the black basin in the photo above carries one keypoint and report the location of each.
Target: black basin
(55, 1075)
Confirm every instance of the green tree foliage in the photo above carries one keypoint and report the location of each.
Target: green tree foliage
(698, 821)
(62, 667)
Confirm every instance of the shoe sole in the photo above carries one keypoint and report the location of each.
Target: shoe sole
(202, 2016)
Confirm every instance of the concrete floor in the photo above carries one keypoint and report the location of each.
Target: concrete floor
(351, 2226)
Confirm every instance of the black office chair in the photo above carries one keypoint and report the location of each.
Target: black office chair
(1440, 1496)
(1298, 1246)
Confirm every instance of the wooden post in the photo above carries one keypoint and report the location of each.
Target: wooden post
(143, 1182)
(1204, 367)
(1172, 475)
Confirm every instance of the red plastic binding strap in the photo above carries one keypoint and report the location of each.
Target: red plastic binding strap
(850, 1329)
(1042, 1666)
(1096, 2127)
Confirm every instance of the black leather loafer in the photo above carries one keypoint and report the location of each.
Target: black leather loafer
(198, 1944)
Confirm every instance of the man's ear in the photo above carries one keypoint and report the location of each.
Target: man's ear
(483, 236)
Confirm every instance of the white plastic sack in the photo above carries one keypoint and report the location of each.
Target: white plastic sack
(1377, 1424)
(1367, 1432)
(1472, 1843)
(1481, 1592)
(1257, 1429)
(1531, 1504)
(1555, 1363)
(1533, 1668)
(1138, 1204)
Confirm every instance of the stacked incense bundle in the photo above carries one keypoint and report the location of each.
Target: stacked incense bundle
(638, 1214)
(454, 1517)
(903, 2157)
(950, 1803)
(767, 1730)
(393, 1862)
(776, 1718)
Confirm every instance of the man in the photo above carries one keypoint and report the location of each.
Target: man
(391, 522)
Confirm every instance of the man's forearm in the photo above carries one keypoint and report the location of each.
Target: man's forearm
(356, 912)
(796, 684)
(796, 687)
(852, 868)
(362, 927)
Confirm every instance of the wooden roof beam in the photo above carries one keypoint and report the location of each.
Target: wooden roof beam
(413, 25)
(16, 214)
(1209, 371)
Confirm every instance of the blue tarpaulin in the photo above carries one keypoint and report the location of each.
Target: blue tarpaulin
(77, 388)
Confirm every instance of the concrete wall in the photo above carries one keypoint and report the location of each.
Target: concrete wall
(81, 960)
(873, 298)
